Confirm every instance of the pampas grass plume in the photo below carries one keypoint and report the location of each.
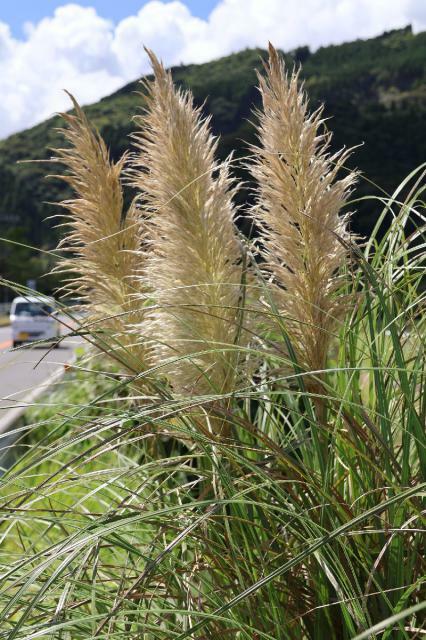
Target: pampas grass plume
(102, 242)
(194, 266)
(300, 198)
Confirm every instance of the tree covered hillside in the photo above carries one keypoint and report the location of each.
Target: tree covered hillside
(374, 93)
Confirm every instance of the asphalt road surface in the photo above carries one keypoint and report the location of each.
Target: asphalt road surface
(25, 372)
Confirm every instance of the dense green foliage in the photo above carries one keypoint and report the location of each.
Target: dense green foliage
(123, 520)
(375, 91)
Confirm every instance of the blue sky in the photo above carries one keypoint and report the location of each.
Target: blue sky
(17, 12)
(94, 47)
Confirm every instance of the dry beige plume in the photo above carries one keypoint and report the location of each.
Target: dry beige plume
(102, 241)
(300, 197)
(194, 266)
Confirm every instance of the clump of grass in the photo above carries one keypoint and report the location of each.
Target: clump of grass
(300, 524)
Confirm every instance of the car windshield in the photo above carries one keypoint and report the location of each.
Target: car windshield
(31, 309)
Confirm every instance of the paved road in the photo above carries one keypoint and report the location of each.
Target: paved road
(25, 371)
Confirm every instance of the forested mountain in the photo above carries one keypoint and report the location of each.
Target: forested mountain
(374, 93)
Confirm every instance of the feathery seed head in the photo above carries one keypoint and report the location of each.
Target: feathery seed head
(102, 241)
(194, 268)
(300, 197)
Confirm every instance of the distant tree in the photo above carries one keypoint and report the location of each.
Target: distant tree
(301, 54)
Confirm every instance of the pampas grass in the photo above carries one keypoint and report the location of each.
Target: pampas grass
(194, 266)
(300, 198)
(103, 242)
(132, 520)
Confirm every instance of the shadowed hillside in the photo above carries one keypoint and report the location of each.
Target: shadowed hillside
(374, 93)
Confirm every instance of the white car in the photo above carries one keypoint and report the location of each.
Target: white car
(33, 318)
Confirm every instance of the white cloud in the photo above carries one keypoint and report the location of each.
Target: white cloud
(79, 50)
(166, 28)
(72, 50)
